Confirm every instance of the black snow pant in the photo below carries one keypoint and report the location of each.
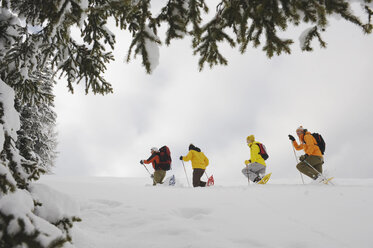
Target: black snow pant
(197, 174)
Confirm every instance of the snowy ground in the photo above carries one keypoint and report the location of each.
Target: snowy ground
(128, 212)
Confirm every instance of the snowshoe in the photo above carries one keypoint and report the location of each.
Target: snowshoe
(327, 180)
(265, 179)
(322, 179)
(210, 181)
(169, 181)
(172, 181)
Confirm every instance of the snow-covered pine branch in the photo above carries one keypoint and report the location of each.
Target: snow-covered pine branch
(28, 216)
(256, 22)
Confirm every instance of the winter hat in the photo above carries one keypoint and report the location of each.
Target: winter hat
(193, 147)
(251, 138)
(300, 129)
(154, 149)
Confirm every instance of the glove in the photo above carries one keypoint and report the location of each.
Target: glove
(141, 161)
(247, 162)
(152, 176)
(181, 157)
(291, 137)
(303, 157)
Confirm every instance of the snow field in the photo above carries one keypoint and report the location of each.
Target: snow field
(122, 212)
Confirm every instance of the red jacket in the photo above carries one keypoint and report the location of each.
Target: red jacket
(154, 159)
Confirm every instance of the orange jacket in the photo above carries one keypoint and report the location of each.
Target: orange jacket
(308, 144)
(154, 159)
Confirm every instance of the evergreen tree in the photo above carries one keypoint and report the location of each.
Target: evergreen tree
(20, 226)
(238, 22)
(20, 223)
(37, 138)
(22, 220)
(51, 48)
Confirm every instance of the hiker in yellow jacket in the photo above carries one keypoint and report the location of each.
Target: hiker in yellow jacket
(255, 167)
(199, 164)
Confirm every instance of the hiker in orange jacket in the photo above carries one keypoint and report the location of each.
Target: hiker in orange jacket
(199, 164)
(312, 157)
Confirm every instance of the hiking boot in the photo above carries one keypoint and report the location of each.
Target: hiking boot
(320, 179)
(257, 179)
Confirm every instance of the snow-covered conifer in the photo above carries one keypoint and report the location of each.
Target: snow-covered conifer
(35, 37)
(237, 22)
(22, 224)
(37, 137)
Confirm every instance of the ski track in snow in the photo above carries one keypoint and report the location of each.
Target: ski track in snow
(123, 212)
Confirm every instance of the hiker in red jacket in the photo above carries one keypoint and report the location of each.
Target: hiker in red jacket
(154, 159)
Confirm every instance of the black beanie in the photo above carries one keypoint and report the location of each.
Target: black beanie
(192, 147)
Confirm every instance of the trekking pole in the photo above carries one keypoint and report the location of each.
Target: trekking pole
(186, 173)
(296, 159)
(207, 175)
(318, 173)
(147, 170)
(152, 177)
(248, 178)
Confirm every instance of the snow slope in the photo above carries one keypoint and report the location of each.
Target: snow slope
(128, 212)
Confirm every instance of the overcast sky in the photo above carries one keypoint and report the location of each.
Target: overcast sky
(327, 91)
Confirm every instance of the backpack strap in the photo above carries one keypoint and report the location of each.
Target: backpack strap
(260, 148)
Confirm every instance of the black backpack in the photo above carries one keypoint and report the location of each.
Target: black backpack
(263, 151)
(164, 159)
(320, 142)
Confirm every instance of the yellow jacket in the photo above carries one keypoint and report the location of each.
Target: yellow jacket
(199, 160)
(254, 154)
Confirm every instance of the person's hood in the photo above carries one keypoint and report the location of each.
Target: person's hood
(192, 147)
